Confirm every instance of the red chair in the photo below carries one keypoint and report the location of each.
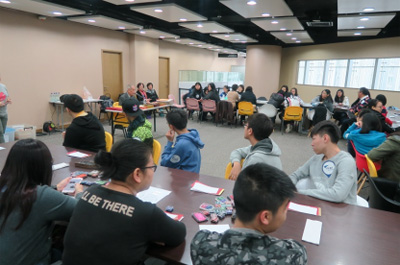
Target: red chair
(362, 164)
(209, 105)
(174, 105)
(193, 105)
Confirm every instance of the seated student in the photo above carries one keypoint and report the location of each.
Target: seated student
(110, 225)
(330, 174)
(293, 100)
(151, 92)
(376, 107)
(224, 93)
(185, 153)
(249, 96)
(340, 100)
(384, 112)
(213, 95)
(139, 126)
(28, 205)
(262, 194)
(366, 133)
(141, 94)
(85, 132)
(130, 93)
(240, 90)
(261, 149)
(322, 107)
(389, 153)
(197, 93)
(361, 103)
(233, 96)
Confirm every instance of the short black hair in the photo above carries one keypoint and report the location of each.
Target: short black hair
(382, 99)
(177, 118)
(363, 111)
(249, 88)
(261, 125)
(234, 87)
(138, 84)
(370, 122)
(329, 128)
(261, 187)
(285, 86)
(373, 102)
(149, 83)
(73, 102)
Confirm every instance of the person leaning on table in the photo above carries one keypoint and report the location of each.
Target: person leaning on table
(110, 225)
(262, 194)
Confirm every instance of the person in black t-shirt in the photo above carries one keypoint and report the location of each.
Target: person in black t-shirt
(110, 225)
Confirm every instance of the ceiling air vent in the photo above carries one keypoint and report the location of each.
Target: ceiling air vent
(320, 24)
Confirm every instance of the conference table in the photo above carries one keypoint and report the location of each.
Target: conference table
(350, 234)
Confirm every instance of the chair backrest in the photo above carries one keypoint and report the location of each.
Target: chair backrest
(109, 141)
(268, 109)
(228, 168)
(293, 113)
(382, 193)
(209, 105)
(156, 151)
(262, 98)
(371, 167)
(116, 104)
(245, 108)
(192, 104)
(170, 96)
(361, 161)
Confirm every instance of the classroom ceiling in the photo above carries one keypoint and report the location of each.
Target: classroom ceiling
(230, 24)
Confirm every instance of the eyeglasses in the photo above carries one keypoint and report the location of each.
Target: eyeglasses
(153, 167)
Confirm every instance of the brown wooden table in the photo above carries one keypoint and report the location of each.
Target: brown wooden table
(350, 234)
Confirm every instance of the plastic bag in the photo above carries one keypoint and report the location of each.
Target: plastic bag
(86, 93)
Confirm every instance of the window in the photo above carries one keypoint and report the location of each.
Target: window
(314, 72)
(374, 73)
(388, 74)
(335, 73)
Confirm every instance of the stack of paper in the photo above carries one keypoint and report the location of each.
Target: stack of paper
(152, 194)
(304, 208)
(60, 165)
(198, 186)
(312, 231)
(77, 154)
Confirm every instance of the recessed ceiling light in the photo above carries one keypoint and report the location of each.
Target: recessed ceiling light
(361, 27)
(357, 33)
(210, 47)
(121, 27)
(251, 3)
(243, 41)
(274, 22)
(129, 0)
(162, 37)
(226, 36)
(191, 43)
(215, 31)
(199, 45)
(5, 2)
(289, 34)
(56, 13)
(91, 20)
(298, 41)
(236, 39)
(282, 29)
(199, 25)
(368, 9)
(158, 10)
(294, 38)
(142, 32)
(183, 19)
(364, 19)
(178, 40)
(265, 14)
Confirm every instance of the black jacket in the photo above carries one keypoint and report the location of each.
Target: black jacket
(197, 94)
(385, 127)
(213, 94)
(85, 132)
(249, 97)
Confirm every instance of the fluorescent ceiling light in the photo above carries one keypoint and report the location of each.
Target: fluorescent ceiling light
(57, 13)
(5, 2)
(298, 41)
(364, 19)
(121, 27)
(183, 19)
(274, 22)
(142, 32)
(282, 29)
(251, 3)
(158, 10)
(289, 34)
(360, 27)
(162, 37)
(357, 33)
(91, 20)
(368, 9)
(129, 0)
(199, 25)
(265, 14)
(294, 38)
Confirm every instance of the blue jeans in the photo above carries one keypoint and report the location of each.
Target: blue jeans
(3, 126)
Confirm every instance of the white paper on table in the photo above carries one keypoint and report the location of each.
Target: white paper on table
(77, 154)
(303, 208)
(204, 188)
(312, 231)
(60, 165)
(2, 148)
(215, 228)
(152, 194)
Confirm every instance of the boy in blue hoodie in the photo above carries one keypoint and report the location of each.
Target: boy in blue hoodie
(185, 153)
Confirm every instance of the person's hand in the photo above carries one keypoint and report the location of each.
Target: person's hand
(78, 188)
(235, 171)
(359, 124)
(170, 135)
(8, 101)
(61, 185)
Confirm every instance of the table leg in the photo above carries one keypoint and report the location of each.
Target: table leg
(62, 117)
(112, 125)
(155, 124)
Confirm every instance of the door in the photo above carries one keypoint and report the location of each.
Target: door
(112, 74)
(163, 77)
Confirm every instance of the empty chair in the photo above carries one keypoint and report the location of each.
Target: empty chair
(156, 151)
(292, 113)
(105, 103)
(209, 105)
(174, 104)
(261, 98)
(382, 194)
(269, 110)
(109, 141)
(245, 108)
(193, 105)
(120, 121)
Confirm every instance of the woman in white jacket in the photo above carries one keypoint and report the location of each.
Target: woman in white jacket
(340, 100)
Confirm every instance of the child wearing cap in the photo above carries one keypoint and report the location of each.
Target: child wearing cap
(139, 127)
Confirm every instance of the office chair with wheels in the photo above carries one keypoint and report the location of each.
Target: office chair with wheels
(382, 194)
(156, 151)
(109, 141)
